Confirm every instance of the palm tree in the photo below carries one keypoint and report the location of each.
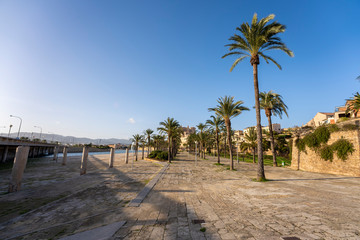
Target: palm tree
(354, 104)
(256, 39)
(169, 126)
(273, 104)
(216, 123)
(229, 109)
(137, 139)
(251, 141)
(201, 128)
(148, 133)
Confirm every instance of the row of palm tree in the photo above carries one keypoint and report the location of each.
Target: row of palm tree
(254, 41)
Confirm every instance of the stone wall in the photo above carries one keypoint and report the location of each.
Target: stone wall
(312, 162)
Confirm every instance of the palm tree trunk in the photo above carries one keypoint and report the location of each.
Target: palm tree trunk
(143, 149)
(224, 147)
(217, 146)
(136, 153)
(254, 155)
(169, 152)
(148, 147)
(272, 143)
(260, 171)
(228, 128)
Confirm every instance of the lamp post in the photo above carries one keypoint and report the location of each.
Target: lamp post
(19, 125)
(40, 130)
(10, 130)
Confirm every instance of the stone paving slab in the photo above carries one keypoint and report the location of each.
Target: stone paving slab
(100, 233)
(143, 193)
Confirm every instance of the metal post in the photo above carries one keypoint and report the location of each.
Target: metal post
(19, 125)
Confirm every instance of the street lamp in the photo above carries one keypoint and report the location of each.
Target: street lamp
(10, 130)
(40, 130)
(19, 125)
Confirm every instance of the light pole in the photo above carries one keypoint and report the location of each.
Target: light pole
(195, 152)
(19, 125)
(10, 130)
(40, 130)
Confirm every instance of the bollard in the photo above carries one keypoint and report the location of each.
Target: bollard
(64, 156)
(84, 161)
(56, 150)
(20, 161)
(111, 160)
(127, 156)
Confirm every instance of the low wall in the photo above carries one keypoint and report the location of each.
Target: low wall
(312, 162)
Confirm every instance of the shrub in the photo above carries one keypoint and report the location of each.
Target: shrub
(162, 156)
(348, 126)
(153, 154)
(333, 128)
(300, 144)
(311, 141)
(322, 134)
(343, 147)
(327, 153)
(343, 119)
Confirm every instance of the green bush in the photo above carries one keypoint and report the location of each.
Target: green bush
(327, 153)
(343, 119)
(322, 134)
(153, 154)
(311, 141)
(348, 126)
(300, 144)
(333, 128)
(343, 147)
(159, 155)
(162, 156)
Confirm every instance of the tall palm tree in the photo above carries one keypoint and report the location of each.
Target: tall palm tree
(201, 128)
(148, 133)
(273, 104)
(169, 126)
(354, 105)
(257, 38)
(216, 123)
(229, 109)
(251, 141)
(137, 139)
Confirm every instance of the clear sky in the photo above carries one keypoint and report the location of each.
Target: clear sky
(104, 69)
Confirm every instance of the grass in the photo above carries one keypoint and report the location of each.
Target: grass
(219, 164)
(202, 229)
(262, 180)
(228, 168)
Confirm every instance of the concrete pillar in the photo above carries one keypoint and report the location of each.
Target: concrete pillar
(56, 150)
(111, 160)
(4, 157)
(84, 161)
(64, 156)
(20, 160)
(127, 156)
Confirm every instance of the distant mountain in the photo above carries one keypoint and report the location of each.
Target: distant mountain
(71, 139)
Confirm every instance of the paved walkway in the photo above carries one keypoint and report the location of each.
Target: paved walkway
(232, 206)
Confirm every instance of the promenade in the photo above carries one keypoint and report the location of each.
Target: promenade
(224, 204)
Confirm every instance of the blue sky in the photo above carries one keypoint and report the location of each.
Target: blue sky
(106, 69)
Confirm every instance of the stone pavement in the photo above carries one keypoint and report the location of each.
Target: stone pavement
(231, 205)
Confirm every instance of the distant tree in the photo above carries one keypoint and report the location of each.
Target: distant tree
(169, 126)
(251, 141)
(273, 104)
(227, 108)
(137, 139)
(216, 123)
(148, 133)
(254, 40)
(354, 104)
(201, 128)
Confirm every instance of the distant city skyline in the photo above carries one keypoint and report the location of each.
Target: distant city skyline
(113, 69)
